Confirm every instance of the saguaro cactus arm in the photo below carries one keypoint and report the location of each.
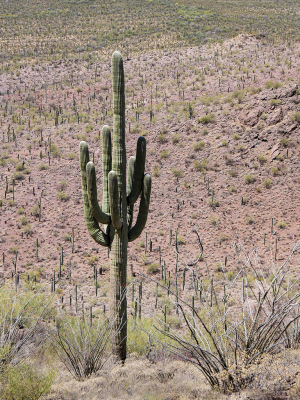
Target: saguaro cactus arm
(141, 220)
(100, 216)
(113, 199)
(130, 172)
(106, 166)
(139, 171)
(92, 225)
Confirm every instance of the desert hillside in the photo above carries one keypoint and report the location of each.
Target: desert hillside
(216, 96)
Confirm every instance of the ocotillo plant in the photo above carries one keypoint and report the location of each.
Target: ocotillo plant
(119, 196)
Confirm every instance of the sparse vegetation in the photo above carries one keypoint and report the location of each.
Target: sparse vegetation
(177, 172)
(200, 165)
(267, 183)
(198, 145)
(185, 81)
(249, 178)
(62, 196)
(164, 154)
(281, 224)
(206, 119)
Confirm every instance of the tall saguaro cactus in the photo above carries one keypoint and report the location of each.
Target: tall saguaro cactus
(119, 196)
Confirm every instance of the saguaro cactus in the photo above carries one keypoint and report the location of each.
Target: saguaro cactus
(119, 196)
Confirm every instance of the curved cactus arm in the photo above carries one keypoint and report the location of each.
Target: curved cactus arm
(92, 225)
(113, 200)
(137, 229)
(92, 195)
(130, 172)
(106, 165)
(139, 171)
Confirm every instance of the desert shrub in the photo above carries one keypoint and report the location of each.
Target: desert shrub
(273, 84)
(20, 327)
(213, 203)
(26, 382)
(42, 167)
(284, 141)
(177, 172)
(19, 176)
(62, 196)
(24, 220)
(275, 171)
(267, 183)
(275, 102)
(62, 184)
(249, 178)
(228, 340)
(233, 173)
(2, 162)
(67, 238)
(175, 138)
(214, 219)
(223, 237)
(72, 156)
(153, 268)
(181, 240)
(296, 117)
(200, 165)
(13, 250)
(155, 171)
(55, 150)
(27, 229)
(20, 167)
(206, 119)
(164, 154)
(262, 158)
(88, 128)
(198, 145)
(281, 224)
(162, 137)
(250, 220)
(82, 347)
(36, 210)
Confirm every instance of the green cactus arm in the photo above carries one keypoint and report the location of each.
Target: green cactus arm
(92, 195)
(139, 171)
(137, 229)
(114, 199)
(130, 172)
(92, 225)
(106, 166)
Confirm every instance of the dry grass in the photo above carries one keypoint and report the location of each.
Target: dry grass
(177, 380)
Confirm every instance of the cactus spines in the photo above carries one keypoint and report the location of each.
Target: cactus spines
(119, 196)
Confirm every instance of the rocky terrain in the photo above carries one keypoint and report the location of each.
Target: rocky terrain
(222, 127)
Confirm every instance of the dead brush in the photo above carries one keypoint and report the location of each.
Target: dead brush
(227, 338)
(21, 317)
(83, 344)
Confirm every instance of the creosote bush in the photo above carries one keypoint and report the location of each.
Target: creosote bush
(62, 196)
(206, 119)
(249, 178)
(198, 145)
(164, 154)
(25, 382)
